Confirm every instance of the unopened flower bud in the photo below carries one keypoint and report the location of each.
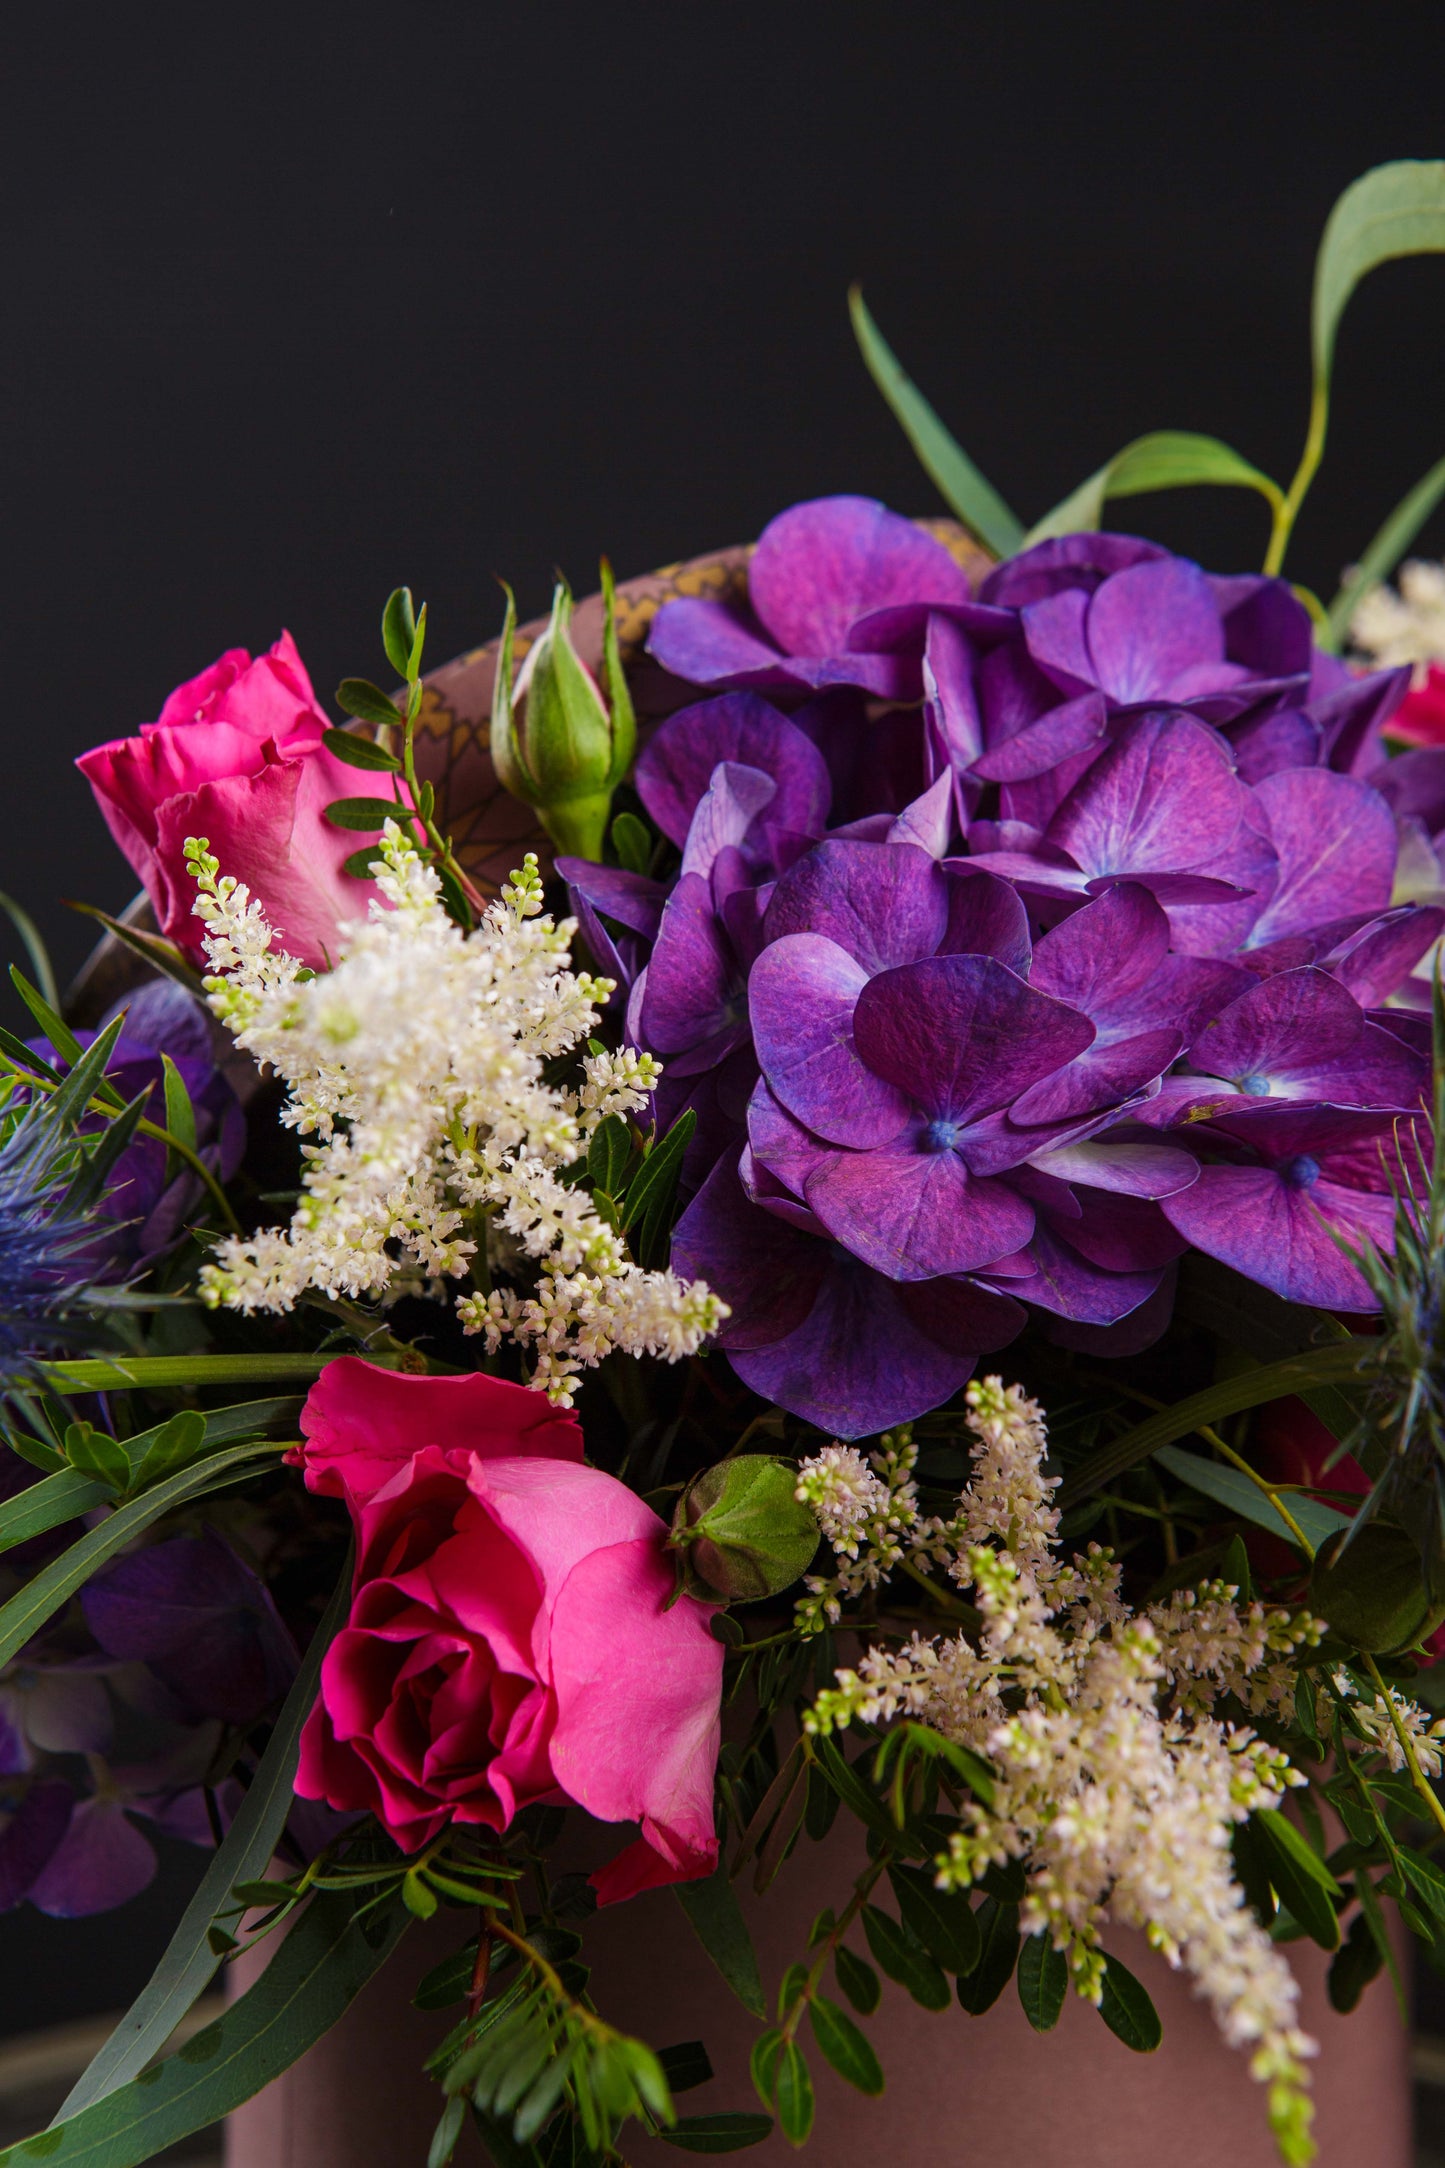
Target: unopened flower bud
(742, 1532)
(1371, 1590)
(557, 742)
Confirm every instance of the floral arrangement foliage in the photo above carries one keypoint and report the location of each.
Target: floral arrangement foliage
(1047, 962)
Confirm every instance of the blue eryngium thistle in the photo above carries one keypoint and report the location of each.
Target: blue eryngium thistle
(1401, 1438)
(39, 1235)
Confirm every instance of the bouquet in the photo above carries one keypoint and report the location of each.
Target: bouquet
(492, 1366)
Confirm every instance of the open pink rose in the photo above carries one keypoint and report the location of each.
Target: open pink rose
(1420, 717)
(236, 755)
(509, 1638)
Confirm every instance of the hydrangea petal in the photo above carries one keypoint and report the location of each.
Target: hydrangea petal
(913, 1214)
(821, 566)
(1162, 799)
(1335, 838)
(768, 1272)
(963, 1033)
(1281, 1235)
(1150, 624)
(735, 795)
(885, 903)
(803, 994)
(676, 766)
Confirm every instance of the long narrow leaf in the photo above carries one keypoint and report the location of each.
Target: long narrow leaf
(104, 1374)
(1388, 547)
(55, 1584)
(42, 1506)
(189, 1963)
(963, 489)
(1165, 459)
(1251, 1389)
(323, 1963)
(1234, 1491)
(34, 947)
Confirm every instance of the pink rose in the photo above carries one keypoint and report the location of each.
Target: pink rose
(236, 756)
(510, 1639)
(1420, 717)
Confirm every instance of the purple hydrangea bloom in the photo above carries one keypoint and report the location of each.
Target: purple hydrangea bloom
(201, 1620)
(1112, 939)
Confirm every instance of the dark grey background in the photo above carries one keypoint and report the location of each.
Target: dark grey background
(298, 306)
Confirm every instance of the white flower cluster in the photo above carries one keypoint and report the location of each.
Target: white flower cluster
(1115, 1786)
(1381, 1730)
(868, 1511)
(417, 1065)
(1389, 628)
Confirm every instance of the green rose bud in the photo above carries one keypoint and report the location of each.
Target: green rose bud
(557, 743)
(741, 1530)
(1371, 1592)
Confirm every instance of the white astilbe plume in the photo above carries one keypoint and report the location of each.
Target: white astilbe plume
(1116, 1787)
(1389, 628)
(417, 1066)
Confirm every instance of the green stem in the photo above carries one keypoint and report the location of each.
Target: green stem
(1418, 1777)
(1237, 1460)
(150, 1373)
(862, 1890)
(1286, 513)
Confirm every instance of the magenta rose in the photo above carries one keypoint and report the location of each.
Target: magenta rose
(510, 1638)
(236, 756)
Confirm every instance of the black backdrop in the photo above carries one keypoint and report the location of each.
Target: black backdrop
(301, 305)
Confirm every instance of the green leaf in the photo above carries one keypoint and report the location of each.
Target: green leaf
(54, 1585)
(859, 1982)
(1234, 1566)
(844, 2046)
(963, 489)
(905, 1960)
(189, 1962)
(1393, 210)
(325, 1960)
(632, 842)
(58, 1498)
(1128, 2011)
(685, 2066)
(647, 1211)
(180, 1114)
(34, 946)
(1301, 1879)
(998, 1926)
(851, 1789)
(1165, 459)
(1384, 552)
(793, 2085)
(1229, 1396)
(763, 2064)
(361, 863)
(717, 2133)
(97, 1455)
(1043, 1979)
(942, 1920)
(717, 1921)
(174, 1445)
(56, 1030)
(608, 1154)
(1229, 1488)
(358, 696)
(398, 630)
(447, 2132)
(1356, 1962)
(1424, 1877)
(153, 1373)
(364, 813)
(152, 948)
(358, 752)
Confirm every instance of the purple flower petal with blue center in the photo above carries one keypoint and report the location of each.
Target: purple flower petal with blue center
(101, 1861)
(885, 903)
(692, 999)
(865, 1354)
(1162, 802)
(1302, 1035)
(818, 569)
(1335, 840)
(30, 1835)
(1111, 961)
(677, 764)
(802, 995)
(1292, 1181)
(913, 1210)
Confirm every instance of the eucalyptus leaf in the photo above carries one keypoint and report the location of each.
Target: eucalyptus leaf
(48, 1504)
(1229, 1488)
(189, 1963)
(1165, 459)
(973, 500)
(324, 1961)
